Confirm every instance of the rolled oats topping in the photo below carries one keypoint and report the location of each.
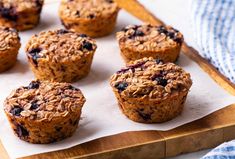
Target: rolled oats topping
(148, 37)
(88, 9)
(8, 38)
(44, 100)
(150, 78)
(59, 45)
(13, 6)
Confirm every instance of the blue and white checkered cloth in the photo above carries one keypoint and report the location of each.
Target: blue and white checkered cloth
(214, 30)
(224, 151)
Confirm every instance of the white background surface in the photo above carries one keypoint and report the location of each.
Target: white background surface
(100, 99)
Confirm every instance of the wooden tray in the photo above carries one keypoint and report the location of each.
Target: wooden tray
(205, 133)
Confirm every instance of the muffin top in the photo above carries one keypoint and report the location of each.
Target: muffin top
(12, 6)
(9, 39)
(44, 101)
(88, 9)
(148, 37)
(59, 45)
(150, 78)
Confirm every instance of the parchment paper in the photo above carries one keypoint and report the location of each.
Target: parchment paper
(101, 116)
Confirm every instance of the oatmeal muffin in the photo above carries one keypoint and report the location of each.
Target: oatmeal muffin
(44, 112)
(9, 47)
(60, 55)
(95, 18)
(150, 91)
(159, 42)
(20, 14)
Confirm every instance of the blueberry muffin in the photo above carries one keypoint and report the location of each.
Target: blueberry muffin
(44, 112)
(60, 55)
(159, 42)
(96, 18)
(20, 14)
(150, 91)
(9, 47)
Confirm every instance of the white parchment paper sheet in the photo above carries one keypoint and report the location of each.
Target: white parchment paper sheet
(101, 116)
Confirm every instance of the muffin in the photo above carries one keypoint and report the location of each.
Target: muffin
(159, 42)
(150, 91)
(20, 14)
(44, 112)
(9, 47)
(96, 18)
(60, 55)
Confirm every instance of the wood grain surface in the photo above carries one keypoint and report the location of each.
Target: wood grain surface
(207, 132)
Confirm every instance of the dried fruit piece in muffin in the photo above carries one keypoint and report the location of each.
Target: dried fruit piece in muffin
(9, 47)
(20, 14)
(95, 18)
(60, 55)
(150, 91)
(159, 42)
(44, 112)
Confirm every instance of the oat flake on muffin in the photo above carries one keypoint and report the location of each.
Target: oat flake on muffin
(95, 18)
(60, 55)
(9, 47)
(20, 14)
(139, 41)
(149, 87)
(44, 112)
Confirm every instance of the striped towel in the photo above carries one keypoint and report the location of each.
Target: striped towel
(213, 22)
(224, 151)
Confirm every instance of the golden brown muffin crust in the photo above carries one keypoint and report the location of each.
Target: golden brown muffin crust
(44, 100)
(148, 37)
(151, 78)
(87, 8)
(8, 38)
(59, 45)
(21, 5)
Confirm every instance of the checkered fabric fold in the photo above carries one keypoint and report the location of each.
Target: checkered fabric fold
(213, 22)
(224, 151)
